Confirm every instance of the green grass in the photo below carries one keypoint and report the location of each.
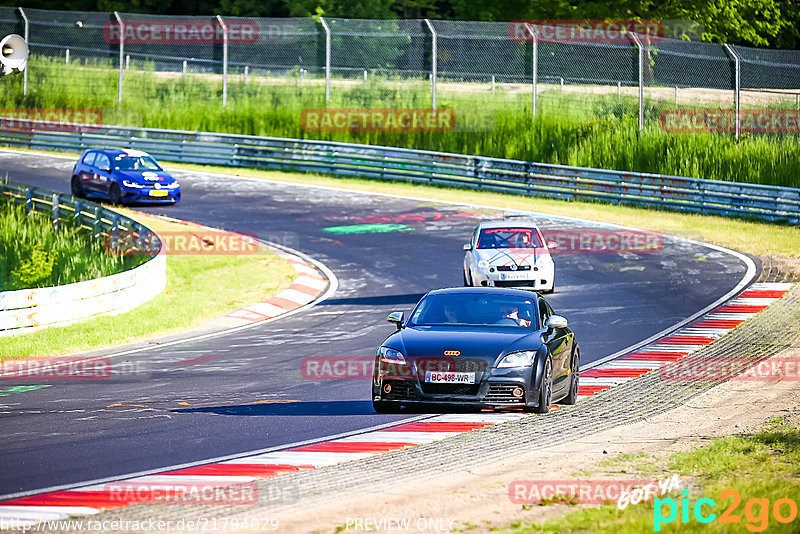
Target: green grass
(764, 465)
(571, 128)
(34, 254)
(199, 288)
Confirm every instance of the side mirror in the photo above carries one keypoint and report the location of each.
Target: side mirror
(396, 318)
(552, 244)
(556, 322)
(467, 247)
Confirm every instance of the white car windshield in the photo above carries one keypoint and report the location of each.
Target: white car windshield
(511, 237)
(474, 309)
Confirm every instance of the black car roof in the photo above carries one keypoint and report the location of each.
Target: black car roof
(483, 291)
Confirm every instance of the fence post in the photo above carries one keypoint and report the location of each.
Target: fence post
(534, 64)
(29, 201)
(56, 211)
(246, 71)
(76, 219)
(224, 60)
(26, 35)
(434, 66)
(736, 85)
(121, 53)
(96, 224)
(327, 59)
(641, 78)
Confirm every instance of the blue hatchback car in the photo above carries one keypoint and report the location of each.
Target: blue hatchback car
(120, 176)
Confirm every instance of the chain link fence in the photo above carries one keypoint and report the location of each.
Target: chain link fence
(125, 56)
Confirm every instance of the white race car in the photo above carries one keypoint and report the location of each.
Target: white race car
(509, 253)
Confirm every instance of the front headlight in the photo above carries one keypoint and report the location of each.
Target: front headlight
(388, 355)
(483, 265)
(128, 183)
(544, 260)
(173, 185)
(518, 359)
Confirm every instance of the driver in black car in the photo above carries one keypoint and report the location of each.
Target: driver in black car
(511, 312)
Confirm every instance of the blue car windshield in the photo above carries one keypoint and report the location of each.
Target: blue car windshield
(135, 163)
(474, 309)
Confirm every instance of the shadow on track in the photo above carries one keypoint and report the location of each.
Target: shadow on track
(381, 300)
(293, 408)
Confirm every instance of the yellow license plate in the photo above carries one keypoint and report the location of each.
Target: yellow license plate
(158, 193)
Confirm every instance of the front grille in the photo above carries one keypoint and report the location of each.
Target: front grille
(450, 389)
(514, 283)
(508, 268)
(502, 393)
(401, 390)
(462, 365)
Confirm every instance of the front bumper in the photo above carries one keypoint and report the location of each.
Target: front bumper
(538, 278)
(498, 387)
(151, 195)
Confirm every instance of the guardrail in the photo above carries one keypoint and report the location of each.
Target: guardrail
(716, 197)
(29, 309)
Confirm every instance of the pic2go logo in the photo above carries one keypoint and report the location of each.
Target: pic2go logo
(756, 511)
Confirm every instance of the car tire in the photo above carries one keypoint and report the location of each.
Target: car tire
(115, 194)
(467, 281)
(546, 388)
(575, 367)
(385, 407)
(76, 187)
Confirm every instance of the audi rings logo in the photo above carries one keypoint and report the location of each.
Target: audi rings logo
(452, 353)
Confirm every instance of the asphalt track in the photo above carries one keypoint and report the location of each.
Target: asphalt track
(244, 391)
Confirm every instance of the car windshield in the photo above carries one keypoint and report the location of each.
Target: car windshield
(135, 163)
(474, 309)
(509, 238)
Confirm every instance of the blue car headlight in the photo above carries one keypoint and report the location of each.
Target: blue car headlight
(388, 355)
(522, 358)
(128, 183)
(173, 185)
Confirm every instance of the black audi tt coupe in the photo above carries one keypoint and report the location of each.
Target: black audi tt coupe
(477, 346)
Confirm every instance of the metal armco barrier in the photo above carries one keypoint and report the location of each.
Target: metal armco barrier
(715, 197)
(30, 309)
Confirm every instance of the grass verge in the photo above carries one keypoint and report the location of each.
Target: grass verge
(34, 254)
(761, 468)
(199, 288)
(753, 237)
(574, 128)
